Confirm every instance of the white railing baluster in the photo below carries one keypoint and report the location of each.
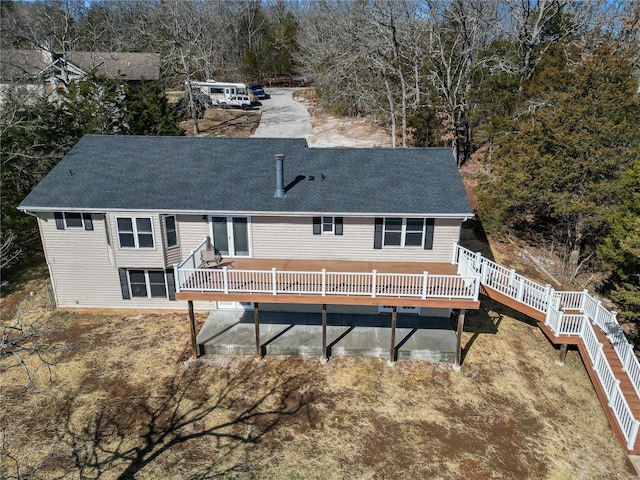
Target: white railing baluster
(425, 282)
(324, 282)
(374, 274)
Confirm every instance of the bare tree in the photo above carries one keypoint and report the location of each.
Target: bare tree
(9, 253)
(458, 33)
(180, 28)
(531, 21)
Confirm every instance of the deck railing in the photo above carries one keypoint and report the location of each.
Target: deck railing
(324, 283)
(546, 300)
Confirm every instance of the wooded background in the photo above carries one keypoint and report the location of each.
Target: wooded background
(544, 94)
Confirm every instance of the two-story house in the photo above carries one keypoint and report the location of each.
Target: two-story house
(124, 220)
(270, 224)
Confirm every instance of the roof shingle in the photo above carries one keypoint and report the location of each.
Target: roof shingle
(207, 174)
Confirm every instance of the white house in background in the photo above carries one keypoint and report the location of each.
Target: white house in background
(126, 222)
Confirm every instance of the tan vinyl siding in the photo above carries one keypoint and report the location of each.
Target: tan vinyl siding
(191, 231)
(292, 237)
(138, 257)
(84, 268)
(174, 255)
(79, 262)
(82, 272)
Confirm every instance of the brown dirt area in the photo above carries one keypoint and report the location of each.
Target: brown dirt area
(122, 403)
(334, 131)
(225, 122)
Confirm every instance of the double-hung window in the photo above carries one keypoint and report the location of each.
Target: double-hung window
(147, 283)
(404, 232)
(170, 231)
(135, 232)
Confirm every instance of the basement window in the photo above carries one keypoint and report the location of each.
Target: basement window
(147, 283)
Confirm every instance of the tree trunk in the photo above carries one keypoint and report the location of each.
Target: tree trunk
(392, 110)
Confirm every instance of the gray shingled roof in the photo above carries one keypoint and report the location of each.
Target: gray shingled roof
(22, 65)
(119, 65)
(18, 65)
(187, 174)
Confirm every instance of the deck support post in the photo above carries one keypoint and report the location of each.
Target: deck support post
(457, 366)
(392, 350)
(324, 358)
(192, 323)
(562, 356)
(256, 323)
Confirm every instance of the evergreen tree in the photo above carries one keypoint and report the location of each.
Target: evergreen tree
(557, 173)
(149, 112)
(621, 250)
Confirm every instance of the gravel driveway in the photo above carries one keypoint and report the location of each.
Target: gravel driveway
(282, 116)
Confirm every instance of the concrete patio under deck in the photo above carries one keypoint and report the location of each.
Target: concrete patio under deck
(429, 339)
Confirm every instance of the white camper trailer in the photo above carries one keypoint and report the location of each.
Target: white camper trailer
(224, 94)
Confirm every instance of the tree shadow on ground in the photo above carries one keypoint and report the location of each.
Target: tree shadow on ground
(182, 423)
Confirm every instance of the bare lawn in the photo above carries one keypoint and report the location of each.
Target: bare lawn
(123, 403)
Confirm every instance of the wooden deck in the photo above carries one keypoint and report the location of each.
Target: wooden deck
(329, 299)
(342, 266)
(349, 266)
(629, 392)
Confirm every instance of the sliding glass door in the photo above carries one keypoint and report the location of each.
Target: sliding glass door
(231, 236)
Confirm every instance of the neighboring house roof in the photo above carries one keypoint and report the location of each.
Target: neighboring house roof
(22, 65)
(118, 65)
(238, 175)
(17, 65)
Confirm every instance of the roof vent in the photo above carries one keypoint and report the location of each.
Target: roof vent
(280, 193)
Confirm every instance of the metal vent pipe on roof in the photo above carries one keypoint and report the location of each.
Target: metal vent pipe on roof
(280, 193)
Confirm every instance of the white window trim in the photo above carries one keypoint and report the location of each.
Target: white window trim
(147, 282)
(134, 226)
(230, 233)
(403, 233)
(166, 238)
(66, 225)
(322, 224)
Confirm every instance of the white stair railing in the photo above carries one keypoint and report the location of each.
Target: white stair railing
(554, 304)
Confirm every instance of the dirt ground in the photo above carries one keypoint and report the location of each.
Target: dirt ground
(225, 122)
(122, 403)
(119, 401)
(331, 131)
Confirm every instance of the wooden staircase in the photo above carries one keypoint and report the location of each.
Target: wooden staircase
(630, 394)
